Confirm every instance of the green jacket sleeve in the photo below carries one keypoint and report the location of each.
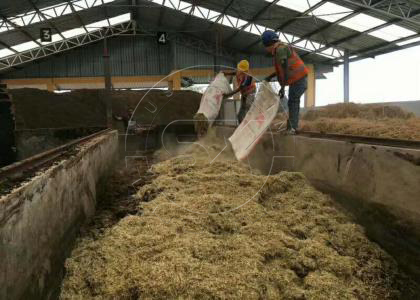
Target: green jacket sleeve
(282, 53)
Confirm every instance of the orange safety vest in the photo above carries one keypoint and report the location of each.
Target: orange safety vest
(246, 90)
(296, 67)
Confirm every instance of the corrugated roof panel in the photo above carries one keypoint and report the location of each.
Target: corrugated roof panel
(392, 33)
(362, 42)
(12, 8)
(66, 22)
(245, 9)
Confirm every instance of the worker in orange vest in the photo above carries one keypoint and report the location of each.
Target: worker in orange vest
(290, 71)
(245, 85)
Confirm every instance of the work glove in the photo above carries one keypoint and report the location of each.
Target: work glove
(281, 93)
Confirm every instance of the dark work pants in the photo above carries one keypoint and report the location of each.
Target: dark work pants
(296, 91)
(246, 102)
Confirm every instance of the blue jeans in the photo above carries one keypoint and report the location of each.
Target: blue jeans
(296, 91)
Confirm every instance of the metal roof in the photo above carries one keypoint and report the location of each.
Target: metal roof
(322, 31)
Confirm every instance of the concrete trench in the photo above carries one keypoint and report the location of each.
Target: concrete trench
(40, 220)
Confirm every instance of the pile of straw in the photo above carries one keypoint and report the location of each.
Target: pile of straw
(362, 111)
(215, 229)
(405, 129)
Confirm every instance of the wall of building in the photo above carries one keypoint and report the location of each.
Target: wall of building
(129, 56)
(39, 220)
(7, 137)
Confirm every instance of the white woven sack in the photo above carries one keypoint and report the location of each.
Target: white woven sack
(212, 98)
(256, 122)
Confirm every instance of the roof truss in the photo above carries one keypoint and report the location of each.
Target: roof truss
(64, 45)
(403, 10)
(391, 12)
(250, 26)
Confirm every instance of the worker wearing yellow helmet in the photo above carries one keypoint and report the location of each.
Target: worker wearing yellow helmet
(245, 85)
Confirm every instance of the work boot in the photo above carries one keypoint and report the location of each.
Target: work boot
(291, 131)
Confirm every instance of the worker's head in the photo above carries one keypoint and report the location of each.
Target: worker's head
(243, 66)
(269, 39)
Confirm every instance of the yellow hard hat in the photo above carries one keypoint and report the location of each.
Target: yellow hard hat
(243, 66)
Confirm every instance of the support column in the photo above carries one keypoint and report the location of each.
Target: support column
(174, 83)
(133, 15)
(50, 86)
(217, 51)
(108, 85)
(177, 81)
(346, 77)
(107, 67)
(311, 91)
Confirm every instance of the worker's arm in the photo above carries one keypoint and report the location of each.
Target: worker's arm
(285, 67)
(229, 73)
(282, 57)
(271, 76)
(283, 84)
(119, 118)
(232, 93)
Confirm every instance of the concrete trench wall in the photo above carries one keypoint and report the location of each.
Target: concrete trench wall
(379, 185)
(39, 220)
